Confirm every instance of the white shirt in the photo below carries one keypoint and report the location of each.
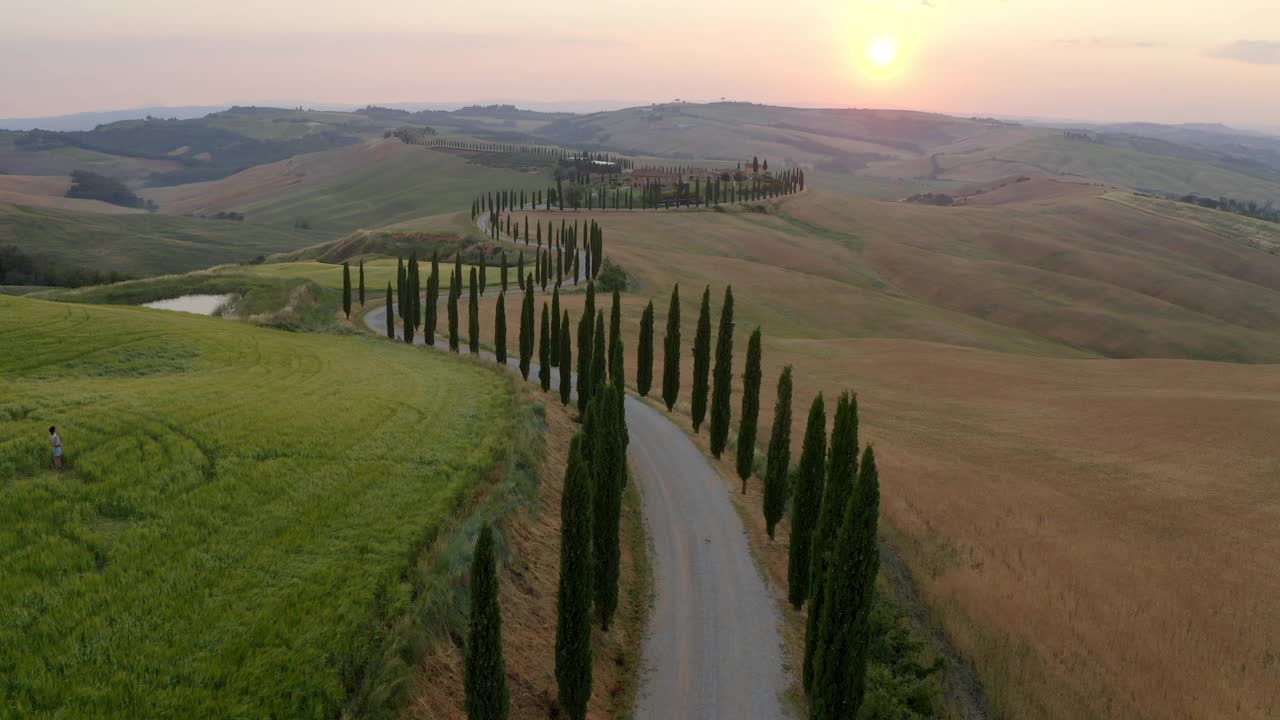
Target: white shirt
(57, 441)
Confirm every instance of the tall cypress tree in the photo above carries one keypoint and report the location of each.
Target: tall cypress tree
(750, 410)
(644, 352)
(555, 325)
(576, 589)
(544, 351)
(391, 318)
(473, 315)
(500, 329)
(408, 312)
(608, 467)
(483, 270)
(779, 458)
(806, 503)
(433, 300)
(701, 362)
(616, 373)
(503, 271)
(671, 352)
(346, 290)
(526, 331)
(841, 472)
(452, 310)
(566, 360)
(520, 270)
(585, 328)
(844, 635)
(722, 377)
(599, 355)
(401, 279)
(361, 282)
(485, 674)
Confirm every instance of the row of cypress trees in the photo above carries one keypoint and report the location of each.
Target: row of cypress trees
(700, 190)
(590, 510)
(564, 241)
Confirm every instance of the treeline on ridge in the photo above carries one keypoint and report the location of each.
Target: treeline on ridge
(19, 268)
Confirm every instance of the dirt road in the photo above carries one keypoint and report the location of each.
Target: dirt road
(712, 649)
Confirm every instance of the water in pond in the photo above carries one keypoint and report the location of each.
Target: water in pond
(197, 304)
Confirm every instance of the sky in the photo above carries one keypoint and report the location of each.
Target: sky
(1100, 60)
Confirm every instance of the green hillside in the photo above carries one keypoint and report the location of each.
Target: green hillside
(409, 183)
(243, 516)
(144, 244)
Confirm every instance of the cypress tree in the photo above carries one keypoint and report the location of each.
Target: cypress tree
(750, 410)
(503, 271)
(485, 674)
(566, 360)
(779, 458)
(575, 592)
(722, 377)
(415, 301)
(346, 290)
(844, 636)
(473, 316)
(483, 271)
(452, 307)
(671, 352)
(616, 374)
(599, 356)
(585, 328)
(362, 282)
(433, 299)
(391, 321)
(500, 329)
(555, 325)
(608, 466)
(701, 362)
(644, 352)
(520, 270)
(841, 472)
(526, 331)
(400, 287)
(807, 502)
(408, 307)
(544, 351)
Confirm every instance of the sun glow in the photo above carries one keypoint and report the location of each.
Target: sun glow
(882, 51)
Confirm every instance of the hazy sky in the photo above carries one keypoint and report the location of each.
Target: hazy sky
(1176, 60)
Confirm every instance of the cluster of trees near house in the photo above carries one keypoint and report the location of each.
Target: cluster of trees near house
(88, 185)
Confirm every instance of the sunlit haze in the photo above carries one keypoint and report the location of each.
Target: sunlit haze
(1090, 59)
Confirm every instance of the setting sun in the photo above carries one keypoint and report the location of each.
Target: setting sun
(882, 51)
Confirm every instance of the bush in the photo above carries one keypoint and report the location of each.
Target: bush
(612, 277)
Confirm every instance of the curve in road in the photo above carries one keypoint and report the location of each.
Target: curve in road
(712, 649)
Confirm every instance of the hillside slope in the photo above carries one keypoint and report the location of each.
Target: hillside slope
(1092, 534)
(375, 183)
(140, 244)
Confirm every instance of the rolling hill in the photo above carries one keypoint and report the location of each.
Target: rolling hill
(139, 244)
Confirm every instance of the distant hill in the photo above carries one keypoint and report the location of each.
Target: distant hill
(90, 120)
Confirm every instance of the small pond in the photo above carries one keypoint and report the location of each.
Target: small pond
(197, 304)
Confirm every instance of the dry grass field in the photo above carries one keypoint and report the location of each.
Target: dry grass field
(1096, 534)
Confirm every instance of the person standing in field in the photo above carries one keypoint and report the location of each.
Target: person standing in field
(57, 447)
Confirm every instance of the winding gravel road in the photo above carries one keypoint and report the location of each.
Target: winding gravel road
(712, 649)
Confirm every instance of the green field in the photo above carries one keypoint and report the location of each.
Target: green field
(397, 187)
(377, 273)
(242, 515)
(143, 244)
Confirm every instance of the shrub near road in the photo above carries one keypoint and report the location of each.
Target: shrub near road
(242, 517)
